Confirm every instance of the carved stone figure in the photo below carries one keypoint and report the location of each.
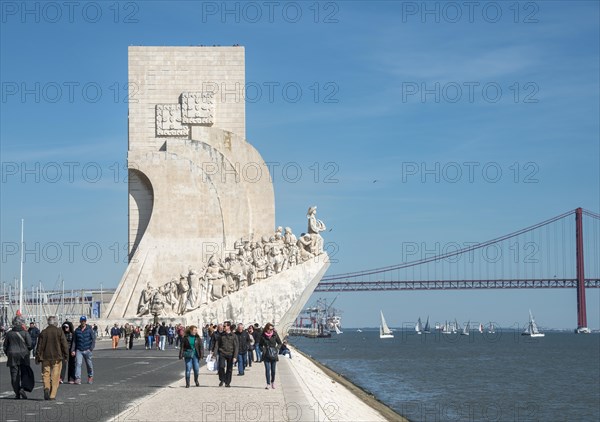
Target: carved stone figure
(252, 262)
(193, 299)
(305, 247)
(314, 228)
(182, 291)
(146, 300)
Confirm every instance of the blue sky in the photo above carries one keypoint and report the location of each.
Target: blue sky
(369, 73)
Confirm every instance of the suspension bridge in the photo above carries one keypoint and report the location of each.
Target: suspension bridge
(553, 254)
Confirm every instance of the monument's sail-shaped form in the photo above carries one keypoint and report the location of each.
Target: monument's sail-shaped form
(203, 243)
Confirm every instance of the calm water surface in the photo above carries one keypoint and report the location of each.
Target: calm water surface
(480, 377)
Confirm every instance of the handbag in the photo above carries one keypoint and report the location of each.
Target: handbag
(27, 378)
(188, 353)
(271, 353)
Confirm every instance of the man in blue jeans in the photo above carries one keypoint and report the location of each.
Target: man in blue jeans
(243, 344)
(84, 341)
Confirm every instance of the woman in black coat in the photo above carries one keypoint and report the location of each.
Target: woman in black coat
(68, 329)
(269, 342)
(17, 345)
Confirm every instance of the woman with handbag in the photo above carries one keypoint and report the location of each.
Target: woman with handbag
(269, 342)
(191, 351)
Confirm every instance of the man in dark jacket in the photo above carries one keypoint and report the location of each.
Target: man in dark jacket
(34, 332)
(52, 349)
(17, 345)
(257, 333)
(84, 341)
(162, 333)
(243, 343)
(115, 334)
(227, 347)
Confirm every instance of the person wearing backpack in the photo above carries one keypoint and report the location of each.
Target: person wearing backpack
(17, 345)
(191, 351)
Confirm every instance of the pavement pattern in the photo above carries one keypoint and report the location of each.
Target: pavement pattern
(120, 378)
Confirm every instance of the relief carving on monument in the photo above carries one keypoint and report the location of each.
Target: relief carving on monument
(197, 108)
(168, 121)
(194, 108)
(251, 263)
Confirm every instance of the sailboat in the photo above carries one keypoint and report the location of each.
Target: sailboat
(426, 328)
(419, 326)
(491, 329)
(480, 328)
(532, 328)
(465, 331)
(384, 330)
(455, 327)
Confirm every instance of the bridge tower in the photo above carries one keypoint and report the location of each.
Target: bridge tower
(581, 312)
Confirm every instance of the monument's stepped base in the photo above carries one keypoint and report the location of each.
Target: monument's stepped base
(277, 299)
(303, 392)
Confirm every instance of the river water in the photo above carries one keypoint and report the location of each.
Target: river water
(480, 377)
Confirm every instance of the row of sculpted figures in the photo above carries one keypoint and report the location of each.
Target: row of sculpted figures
(252, 262)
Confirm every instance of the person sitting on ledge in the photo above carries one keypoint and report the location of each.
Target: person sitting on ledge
(285, 350)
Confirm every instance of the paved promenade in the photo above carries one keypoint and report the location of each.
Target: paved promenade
(148, 385)
(303, 393)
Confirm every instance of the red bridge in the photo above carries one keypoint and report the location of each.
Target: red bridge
(547, 255)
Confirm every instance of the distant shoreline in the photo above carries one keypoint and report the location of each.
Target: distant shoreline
(365, 396)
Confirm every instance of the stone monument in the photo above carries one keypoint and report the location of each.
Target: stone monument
(203, 246)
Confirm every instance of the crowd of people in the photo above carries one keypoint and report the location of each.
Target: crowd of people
(61, 351)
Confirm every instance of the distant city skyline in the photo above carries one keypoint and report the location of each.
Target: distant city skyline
(404, 125)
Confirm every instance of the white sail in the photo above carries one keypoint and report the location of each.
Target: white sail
(466, 328)
(419, 326)
(532, 328)
(481, 328)
(384, 330)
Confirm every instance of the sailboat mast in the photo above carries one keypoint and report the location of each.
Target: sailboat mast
(21, 278)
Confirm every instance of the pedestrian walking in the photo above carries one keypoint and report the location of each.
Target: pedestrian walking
(171, 334)
(251, 347)
(243, 344)
(51, 351)
(163, 331)
(257, 333)
(17, 346)
(212, 346)
(180, 332)
(151, 332)
(191, 351)
(227, 347)
(115, 334)
(129, 334)
(34, 332)
(269, 342)
(82, 348)
(68, 366)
